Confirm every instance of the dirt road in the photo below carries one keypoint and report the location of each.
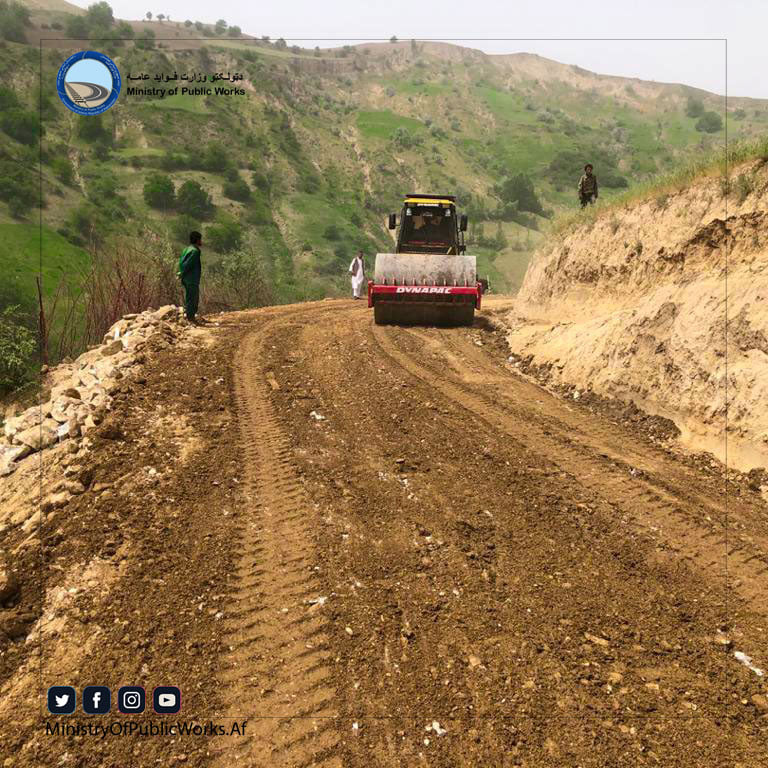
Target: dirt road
(384, 547)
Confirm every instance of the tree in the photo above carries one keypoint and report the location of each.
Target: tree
(160, 17)
(149, 15)
(159, 191)
(99, 15)
(14, 17)
(234, 31)
(694, 107)
(281, 44)
(709, 122)
(520, 189)
(187, 23)
(220, 27)
(194, 200)
(393, 39)
(76, 27)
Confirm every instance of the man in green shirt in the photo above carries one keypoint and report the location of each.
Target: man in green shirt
(189, 272)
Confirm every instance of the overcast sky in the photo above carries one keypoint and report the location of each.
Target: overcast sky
(701, 64)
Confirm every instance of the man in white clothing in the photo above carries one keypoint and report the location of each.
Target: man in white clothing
(357, 270)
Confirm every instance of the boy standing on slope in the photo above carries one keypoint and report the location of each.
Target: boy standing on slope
(189, 272)
(587, 187)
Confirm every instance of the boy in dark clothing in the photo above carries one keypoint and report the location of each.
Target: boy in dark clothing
(587, 187)
(189, 272)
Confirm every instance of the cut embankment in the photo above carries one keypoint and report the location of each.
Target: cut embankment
(662, 303)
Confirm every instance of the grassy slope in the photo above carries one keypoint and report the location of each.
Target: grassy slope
(474, 126)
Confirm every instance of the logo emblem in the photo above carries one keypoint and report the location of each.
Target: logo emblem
(62, 699)
(166, 700)
(131, 699)
(88, 83)
(97, 700)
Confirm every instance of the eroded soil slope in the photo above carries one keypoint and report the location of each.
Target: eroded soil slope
(634, 306)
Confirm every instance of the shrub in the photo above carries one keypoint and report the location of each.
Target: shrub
(226, 235)
(237, 190)
(17, 349)
(332, 232)
(159, 191)
(709, 122)
(21, 125)
(694, 107)
(93, 129)
(14, 17)
(76, 27)
(193, 199)
(62, 169)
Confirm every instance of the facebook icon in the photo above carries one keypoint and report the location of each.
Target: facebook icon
(96, 700)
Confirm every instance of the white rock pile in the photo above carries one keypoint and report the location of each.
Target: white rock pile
(80, 390)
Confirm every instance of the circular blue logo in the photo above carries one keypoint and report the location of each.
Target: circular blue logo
(88, 83)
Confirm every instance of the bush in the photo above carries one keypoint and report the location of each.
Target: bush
(147, 40)
(193, 199)
(694, 107)
(215, 158)
(332, 232)
(8, 98)
(709, 122)
(17, 187)
(226, 235)
(76, 27)
(21, 125)
(62, 169)
(237, 190)
(159, 191)
(93, 130)
(14, 17)
(17, 350)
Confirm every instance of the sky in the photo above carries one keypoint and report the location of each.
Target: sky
(481, 23)
(89, 71)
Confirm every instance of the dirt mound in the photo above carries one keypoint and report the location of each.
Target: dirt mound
(634, 305)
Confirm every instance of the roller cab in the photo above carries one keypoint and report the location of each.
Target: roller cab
(429, 280)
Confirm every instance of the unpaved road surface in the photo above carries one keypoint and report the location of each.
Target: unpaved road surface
(384, 547)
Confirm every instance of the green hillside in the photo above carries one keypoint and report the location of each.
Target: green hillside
(302, 170)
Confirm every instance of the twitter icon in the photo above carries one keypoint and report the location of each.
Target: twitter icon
(62, 699)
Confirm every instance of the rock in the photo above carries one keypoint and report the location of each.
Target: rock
(55, 501)
(62, 408)
(74, 487)
(165, 313)
(474, 661)
(760, 701)
(601, 641)
(72, 393)
(30, 418)
(9, 585)
(112, 348)
(39, 437)
(73, 427)
(16, 625)
(9, 455)
(111, 431)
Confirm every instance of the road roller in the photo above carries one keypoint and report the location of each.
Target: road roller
(429, 279)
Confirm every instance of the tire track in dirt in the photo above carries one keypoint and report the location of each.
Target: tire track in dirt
(277, 673)
(666, 512)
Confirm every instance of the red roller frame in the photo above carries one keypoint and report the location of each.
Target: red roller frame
(451, 293)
